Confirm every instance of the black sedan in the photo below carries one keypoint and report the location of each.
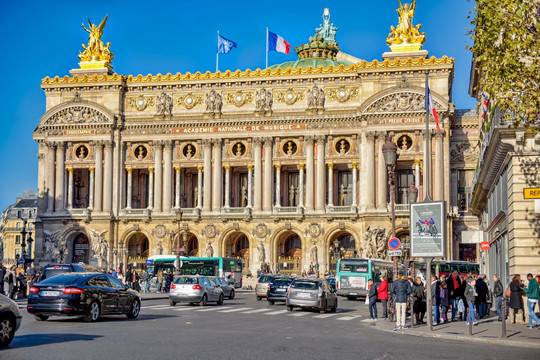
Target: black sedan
(277, 289)
(87, 294)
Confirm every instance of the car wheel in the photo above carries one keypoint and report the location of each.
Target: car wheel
(7, 331)
(270, 302)
(259, 298)
(172, 303)
(134, 310)
(231, 295)
(40, 317)
(220, 301)
(323, 308)
(289, 307)
(93, 312)
(203, 301)
(334, 309)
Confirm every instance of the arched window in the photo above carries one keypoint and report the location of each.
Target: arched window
(346, 241)
(292, 242)
(193, 246)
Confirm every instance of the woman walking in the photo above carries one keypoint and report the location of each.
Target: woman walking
(383, 295)
(516, 301)
(419, 295)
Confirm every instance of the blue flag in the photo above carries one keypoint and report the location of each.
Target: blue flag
(224, 45)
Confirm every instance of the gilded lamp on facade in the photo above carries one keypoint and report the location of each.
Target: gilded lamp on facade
(406, 36)
(96, 55)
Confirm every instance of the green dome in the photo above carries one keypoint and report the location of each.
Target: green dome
(314, 63)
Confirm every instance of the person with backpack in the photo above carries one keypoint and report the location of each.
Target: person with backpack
(372, 295)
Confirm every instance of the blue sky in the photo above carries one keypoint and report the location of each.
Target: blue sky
(43, 38)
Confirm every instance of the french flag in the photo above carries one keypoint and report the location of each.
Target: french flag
(277, 43)
(431, 107)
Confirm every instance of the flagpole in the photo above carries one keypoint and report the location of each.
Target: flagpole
(427, 195)
(266, 48)
(217, 52)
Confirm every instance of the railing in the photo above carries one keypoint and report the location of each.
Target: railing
(135, 212)
(190, 212)
(401, 207)
(136, 260)
(288, 210)
(289, 265)
(341, 209)
(236, 210)
(79, 212)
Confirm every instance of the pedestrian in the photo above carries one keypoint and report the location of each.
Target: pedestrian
(461, 295)
(10, 282)
(532, 292)
(115, 273)
(129, 276)
(435, 299)
(498, 292)
(480, 300)
(159, 280)
(31, 276)
(383, 295)
(144, 280)
(135, 281)
(2, 275)
(419, 294)
(516, 301)
(372, 295)
(120, 275)
(470, 294)
(22, 285)
(453, 284)
(445, 301)
(168, 280)
(401, 290)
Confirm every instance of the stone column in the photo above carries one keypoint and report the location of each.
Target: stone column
(355, 185)
(91, 189)
(278, 185)
(177, 188)
(370, 170)
(158, 181)
(151, 188)
(51, 151)
(257, 153)
(70, 188)
(310, 179)
(217, 195)
(207, 187)
(129, 187)
(417, 176)
(330, 184)
(268, 166)
(320, 173)
(227, 185)
(250, 185)
(60, 175)
(108, 177)
(381, 174)
(98, 193)
(167, 176)
(301, 185)
(199, 186)
(439, 168)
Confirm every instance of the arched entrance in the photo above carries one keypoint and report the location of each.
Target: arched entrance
(81, 249)
(192, 246)
(346, 248)
(237, 245)
(138, 251)
(289, 254)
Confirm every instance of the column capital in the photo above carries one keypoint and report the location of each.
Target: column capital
(257, 141)
(354, 165)
(381, 135)
(320, 138)
(98, 144)
(268, 140)
(151, 170)
(227, 168)
(207, 142)
(129, 170)
(439, 134)
(158, 144)
(309, 139)
(200, 168)
(92, 170)
(278, 166)
(50, 145)
(167, 144)
(59, 145)
(70, 170)
(177, 169)
(331, 166)
(417, 162)
(108, 144)
(216, 142)
(250, 167)
(370, 135)
(301, 166)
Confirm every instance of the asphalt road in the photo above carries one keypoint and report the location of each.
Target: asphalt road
(242, 328)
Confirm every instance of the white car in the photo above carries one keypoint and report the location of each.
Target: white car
(195, 290)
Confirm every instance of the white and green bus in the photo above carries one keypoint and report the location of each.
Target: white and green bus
(352, 275)
(206, 266)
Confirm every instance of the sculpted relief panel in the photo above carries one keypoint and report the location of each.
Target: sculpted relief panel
(78, 114)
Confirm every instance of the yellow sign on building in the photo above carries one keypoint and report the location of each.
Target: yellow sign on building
(531, 193)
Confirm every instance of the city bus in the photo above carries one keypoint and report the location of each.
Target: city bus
(352, 275)
(207, 266)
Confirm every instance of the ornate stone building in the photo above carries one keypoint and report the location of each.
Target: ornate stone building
(269, 165)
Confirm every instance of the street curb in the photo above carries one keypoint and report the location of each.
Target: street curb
(435, 335)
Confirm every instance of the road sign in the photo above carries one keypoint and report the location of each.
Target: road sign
(484, 245)
(531, 193)
(148, 262)
(21, 261)
(394, 253)
(394, 243)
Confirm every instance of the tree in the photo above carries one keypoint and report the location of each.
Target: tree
(507, 45)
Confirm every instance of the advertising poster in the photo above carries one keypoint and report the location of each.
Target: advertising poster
(427, 229)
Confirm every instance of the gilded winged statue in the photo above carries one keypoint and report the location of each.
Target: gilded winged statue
(405, 32)
(96, 50)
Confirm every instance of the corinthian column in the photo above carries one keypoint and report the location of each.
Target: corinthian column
(151, 188)
(417, 177)
(98, 194)
(257, 152)
(167, 176)
(60, 175)
(381, 174)
(250, 185)
(370, 170)
(177, 188)
(227, 185)
(70, 188)
(108, 177)
(207, 187)
(91, 189)
(200, 186)
(129, 187)
(267, 198)
(301, 185)
(217, 183)
(278, 185)
(309, 173)
(330, 184)
(158, 181)
(320, 173)
(51, 150)
(439, 167)
(355, 185)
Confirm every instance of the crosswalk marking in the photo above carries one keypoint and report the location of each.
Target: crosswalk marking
(276, 312)
(184, 309)
(215, 308)
(347, 318)
(155, 306)
(299, 314)
(324, 316)
(234, 310)
(255, 311)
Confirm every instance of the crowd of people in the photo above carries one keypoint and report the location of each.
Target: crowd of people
(457, 298)
(15, 281)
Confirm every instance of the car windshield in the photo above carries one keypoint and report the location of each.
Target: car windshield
(187, 280)
(281, 282)
(220, 281)
(265, 278)
(56, 270)
(60, 279)
(309, 285)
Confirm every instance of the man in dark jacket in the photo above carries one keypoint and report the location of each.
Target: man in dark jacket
(481, 297)
(401, 290)
(498, 292)
(435, 299)
(453, 283)
(372, 295)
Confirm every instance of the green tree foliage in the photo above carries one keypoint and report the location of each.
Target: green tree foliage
(507, 44)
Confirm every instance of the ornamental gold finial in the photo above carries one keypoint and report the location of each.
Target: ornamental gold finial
(96, 55)
(405, 36)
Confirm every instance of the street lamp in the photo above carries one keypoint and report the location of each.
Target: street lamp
(389, 150)
(337, 251)
(178, 247)
(27, 256)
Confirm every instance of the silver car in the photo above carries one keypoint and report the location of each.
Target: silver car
(195, 290)
(228, 289)
(10, 320)
(311, 293)
(262, 286)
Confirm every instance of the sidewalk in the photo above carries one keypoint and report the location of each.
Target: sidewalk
(487, 331)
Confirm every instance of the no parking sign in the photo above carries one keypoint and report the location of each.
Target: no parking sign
(394, 243)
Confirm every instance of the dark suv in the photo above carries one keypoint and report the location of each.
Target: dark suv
(277, 289)
(51, 270)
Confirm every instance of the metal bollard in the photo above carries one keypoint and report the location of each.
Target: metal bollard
(503, 316)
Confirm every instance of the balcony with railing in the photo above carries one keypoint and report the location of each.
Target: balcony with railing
(236, 212)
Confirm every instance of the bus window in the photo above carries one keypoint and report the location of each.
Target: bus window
(463, 269)
(445, 269)
(354, 266)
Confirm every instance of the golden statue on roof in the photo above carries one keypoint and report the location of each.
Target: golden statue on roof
(405, 36)
(96, 54)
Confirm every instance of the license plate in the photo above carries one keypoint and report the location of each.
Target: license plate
(281, 290)
(304, 295)
(50, 293)
(353, 293)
